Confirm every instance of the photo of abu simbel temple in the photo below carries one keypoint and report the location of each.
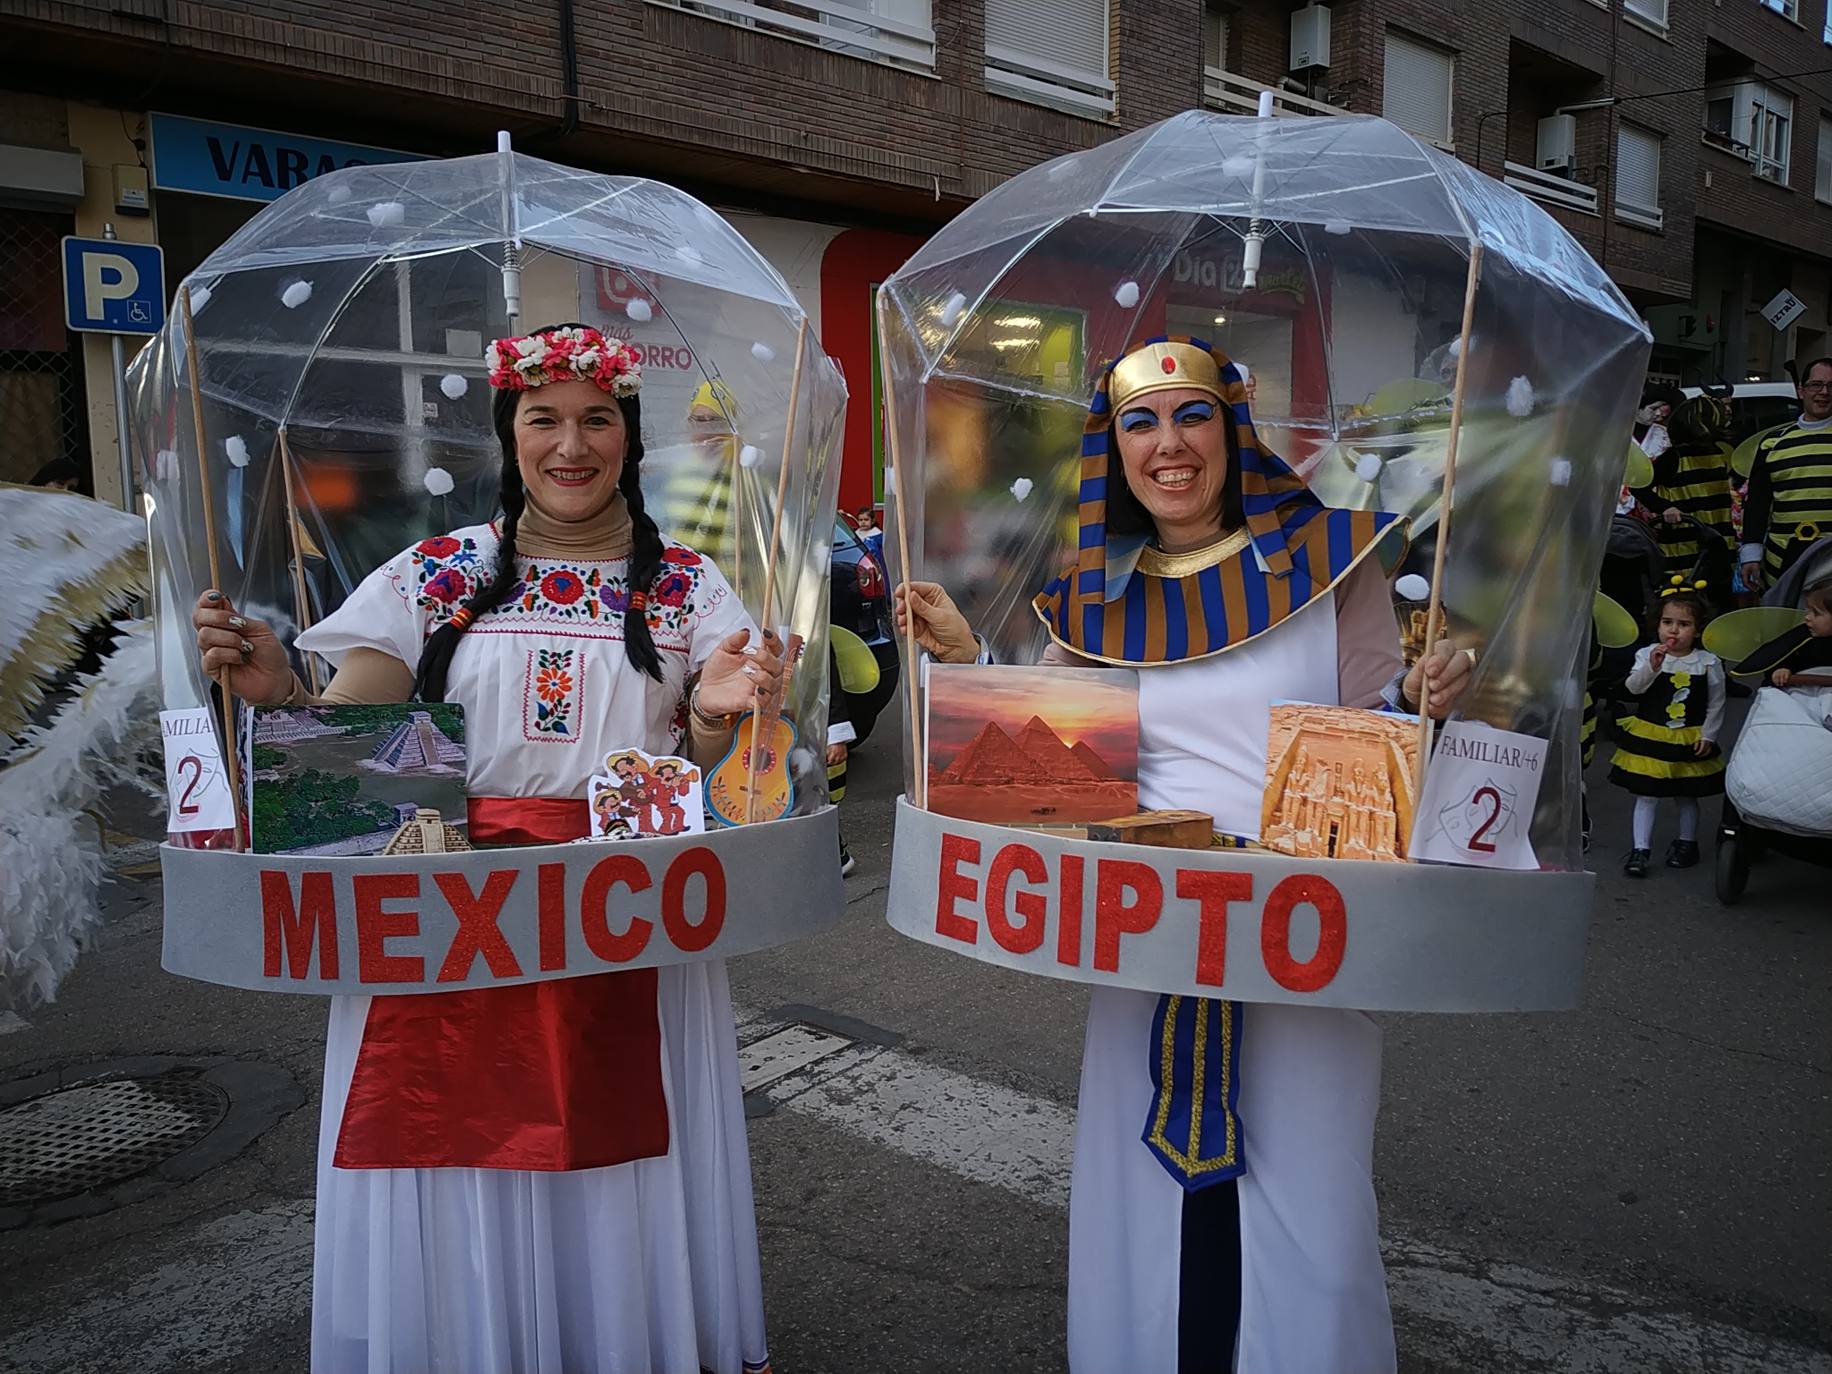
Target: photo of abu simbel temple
(1339, 783)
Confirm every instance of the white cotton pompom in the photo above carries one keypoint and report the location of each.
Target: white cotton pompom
(952, 310)
(453, 386)
(1337, 227)
(762, 352)
(639, 310)
(1237, 166)
(1126, 294)
(1412, 587)
(688, 253)
(237, 449)
(295, 295)
(338, 194)
(200, 297)
(1368, 466)
(165, 465)
(1520, 398)
(1560, 473)
(1021, 488)
(385, 213)
(438, 481)
(749, 456)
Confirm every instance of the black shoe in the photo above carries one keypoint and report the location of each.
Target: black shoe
(1682, 854)
(1637, 865)
(847, 862)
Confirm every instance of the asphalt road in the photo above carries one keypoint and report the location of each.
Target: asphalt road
(1638, 1186)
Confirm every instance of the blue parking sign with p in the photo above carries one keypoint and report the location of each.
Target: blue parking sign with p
(113, 287)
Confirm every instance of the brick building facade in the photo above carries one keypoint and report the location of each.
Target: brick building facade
(842, 131)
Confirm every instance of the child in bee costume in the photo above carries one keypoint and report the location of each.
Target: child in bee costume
(1669, 742)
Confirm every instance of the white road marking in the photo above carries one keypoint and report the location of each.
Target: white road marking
(787, 1051)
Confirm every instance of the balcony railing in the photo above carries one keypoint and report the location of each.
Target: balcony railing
(1551, 188)
(833, 24)
(1012, 72)
(1643, 216)
(1224, 90)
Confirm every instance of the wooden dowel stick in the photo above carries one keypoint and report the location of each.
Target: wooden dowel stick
(769, 572)
(231, 760)
(303, 606)
(893, 447)
(1434, 609)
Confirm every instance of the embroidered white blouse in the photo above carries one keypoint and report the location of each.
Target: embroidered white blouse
(546, 686)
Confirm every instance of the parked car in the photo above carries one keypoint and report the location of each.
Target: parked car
(861, 603)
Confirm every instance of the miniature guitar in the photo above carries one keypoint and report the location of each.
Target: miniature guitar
(728, 786)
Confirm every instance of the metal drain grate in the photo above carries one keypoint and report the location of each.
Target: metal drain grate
(86, 1137)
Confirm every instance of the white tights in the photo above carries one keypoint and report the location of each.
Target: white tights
(1645, 807)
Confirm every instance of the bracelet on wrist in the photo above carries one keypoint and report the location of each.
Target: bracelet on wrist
(723, 723)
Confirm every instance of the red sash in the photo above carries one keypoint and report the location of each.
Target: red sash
(558, 1075)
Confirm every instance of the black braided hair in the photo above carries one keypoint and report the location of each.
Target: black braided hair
(1126, 514)
(646, 561)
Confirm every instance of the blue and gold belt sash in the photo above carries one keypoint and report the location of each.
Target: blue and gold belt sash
(1194, 1127)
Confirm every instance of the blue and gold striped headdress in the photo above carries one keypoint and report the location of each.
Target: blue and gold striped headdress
(1124, 602)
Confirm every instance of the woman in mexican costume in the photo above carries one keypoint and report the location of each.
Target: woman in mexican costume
(1222, 1210)
(554, 1176)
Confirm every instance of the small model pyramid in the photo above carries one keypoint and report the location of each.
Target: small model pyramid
(993, 757)
(1044, 745)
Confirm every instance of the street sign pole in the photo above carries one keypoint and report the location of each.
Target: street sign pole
(115, 288)
(118, 351)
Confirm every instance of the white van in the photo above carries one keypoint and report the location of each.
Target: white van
(1756, 406)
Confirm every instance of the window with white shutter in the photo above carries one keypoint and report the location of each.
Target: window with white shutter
(1638, 176)
(1053, 52)
(1215, 25)
(1652, 12)
(1418, 82)
(1822, 179)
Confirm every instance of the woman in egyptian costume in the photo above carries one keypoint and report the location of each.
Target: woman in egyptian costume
(1222, 1208)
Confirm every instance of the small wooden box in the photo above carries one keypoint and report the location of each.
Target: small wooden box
(1161, 829)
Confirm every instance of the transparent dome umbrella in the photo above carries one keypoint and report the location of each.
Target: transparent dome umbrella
(338, 407)
(1367, 282)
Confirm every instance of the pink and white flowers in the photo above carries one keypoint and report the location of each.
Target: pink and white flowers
(563, 355)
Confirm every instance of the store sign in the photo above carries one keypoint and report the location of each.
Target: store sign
(248, 164)
(1223, 272)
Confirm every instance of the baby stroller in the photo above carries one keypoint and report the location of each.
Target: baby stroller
(1778, 788)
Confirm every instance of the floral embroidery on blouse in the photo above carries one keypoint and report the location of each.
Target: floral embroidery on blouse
(550, 697)
(444, 572)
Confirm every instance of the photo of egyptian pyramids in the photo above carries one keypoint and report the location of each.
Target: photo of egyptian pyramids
(1021, 746)
(355, 779)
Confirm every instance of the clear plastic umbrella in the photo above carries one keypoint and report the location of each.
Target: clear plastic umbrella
(1332, 257)
(339, 339)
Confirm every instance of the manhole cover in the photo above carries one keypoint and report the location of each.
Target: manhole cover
(95, 1134)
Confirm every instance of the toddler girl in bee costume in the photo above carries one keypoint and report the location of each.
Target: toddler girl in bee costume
(1669, 742)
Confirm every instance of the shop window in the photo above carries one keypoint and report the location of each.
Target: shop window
(1638, 177)
(43, 408)
(1051, 52)
(1417, 88)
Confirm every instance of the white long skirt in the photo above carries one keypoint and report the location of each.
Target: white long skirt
(1313, 1292)
(642, 1268)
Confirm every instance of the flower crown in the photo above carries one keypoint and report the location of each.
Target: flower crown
(575, 353)
(1681, 585)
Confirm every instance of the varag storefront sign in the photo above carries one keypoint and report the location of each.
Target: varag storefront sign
(244, 163)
